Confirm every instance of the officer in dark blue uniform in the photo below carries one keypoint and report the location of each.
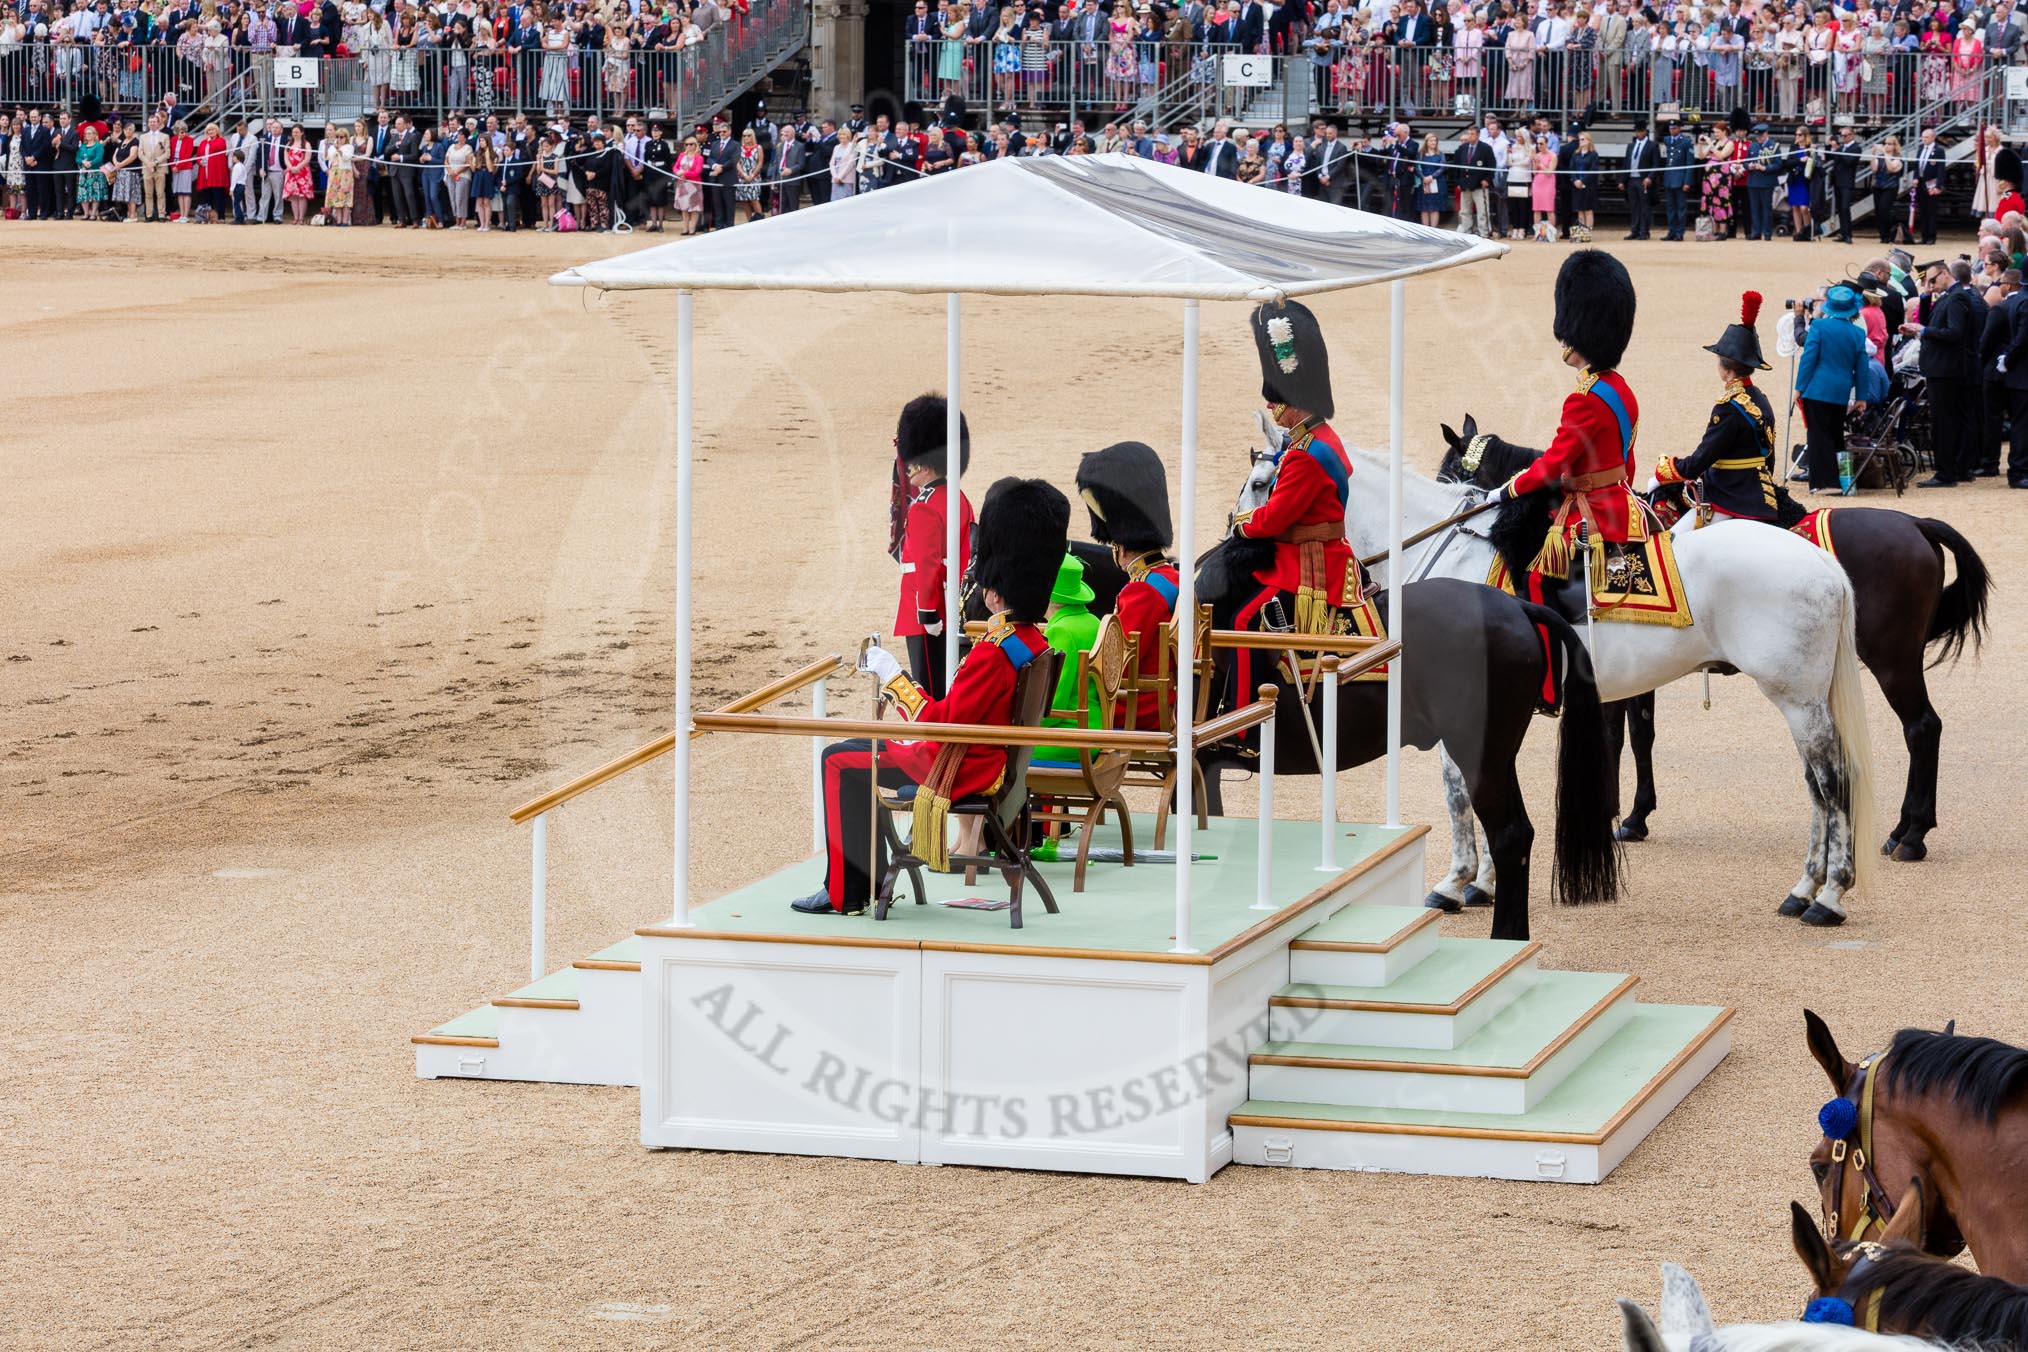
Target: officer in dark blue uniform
(1734, 463)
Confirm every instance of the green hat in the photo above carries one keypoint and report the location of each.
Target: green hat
(1070, 588)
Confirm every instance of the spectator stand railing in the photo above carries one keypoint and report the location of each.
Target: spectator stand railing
(683, 85)
(1159, 82)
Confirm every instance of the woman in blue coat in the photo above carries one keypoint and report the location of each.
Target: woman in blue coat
(1827, 377)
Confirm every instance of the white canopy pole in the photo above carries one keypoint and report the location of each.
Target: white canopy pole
(685, 391)
(954, 622)
(1186, 636)
(1397, 566)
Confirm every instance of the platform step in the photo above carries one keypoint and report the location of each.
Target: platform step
(1579, 1133)
(1364, 946)
(1509, 1066)
(558, 990)
(624, 956)
(478, 1028)
(1437, 1004)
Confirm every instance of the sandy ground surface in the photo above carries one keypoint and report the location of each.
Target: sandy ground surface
(324, 549)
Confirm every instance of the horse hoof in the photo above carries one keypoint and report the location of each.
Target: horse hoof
(1910, 852)
(1475, 896)
(1892, 844)
(1793, 906)
(1823, 917)
(1631, 831)
(1437, 901)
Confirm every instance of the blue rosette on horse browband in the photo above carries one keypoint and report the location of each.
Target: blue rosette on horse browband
(1829, 1309)
(1838, 1118)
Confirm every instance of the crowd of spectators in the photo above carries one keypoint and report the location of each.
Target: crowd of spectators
(1784, 60)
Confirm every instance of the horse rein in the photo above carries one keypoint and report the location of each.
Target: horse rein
(1855, 1148)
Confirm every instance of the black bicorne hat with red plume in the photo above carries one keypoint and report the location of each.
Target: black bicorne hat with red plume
(1741, 342)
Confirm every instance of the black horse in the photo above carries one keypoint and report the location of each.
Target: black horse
(1471, 675)
(1896, 565)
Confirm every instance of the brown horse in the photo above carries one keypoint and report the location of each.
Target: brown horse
(1951, 1109)
(1890, 1285)
(1896, 564)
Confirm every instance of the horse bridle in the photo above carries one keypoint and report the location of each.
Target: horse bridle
(1837, 1309)
(1855, 1150)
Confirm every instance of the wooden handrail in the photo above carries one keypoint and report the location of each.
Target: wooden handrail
(967, 734)
(1384, 651)
(1343, 644)
(1239, 720)
(661, 746)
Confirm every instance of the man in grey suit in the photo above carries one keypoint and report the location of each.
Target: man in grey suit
(1334, 167)
(785, 167)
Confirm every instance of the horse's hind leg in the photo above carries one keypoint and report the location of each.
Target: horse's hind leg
(1827, 873)
(1496, 795)
(1640, 712)
(1452, 893)
(1487, 885)
(1907, 692)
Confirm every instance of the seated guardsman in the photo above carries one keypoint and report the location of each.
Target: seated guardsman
(1127, 490)
(916, 539)
(1588, 462)
(1023, 531)
(1734, 462)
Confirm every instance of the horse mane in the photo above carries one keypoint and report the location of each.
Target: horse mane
(1799, 1337)
(1980, 1074)
(1942, 1299)
(1520, 525)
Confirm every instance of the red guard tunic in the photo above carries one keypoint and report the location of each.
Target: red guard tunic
(922, 556)
(1591, 455)
(1307, 499)
(1145, 604)
(981, 692)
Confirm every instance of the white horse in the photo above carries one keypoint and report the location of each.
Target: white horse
(1765, 602)
(1687, 1326)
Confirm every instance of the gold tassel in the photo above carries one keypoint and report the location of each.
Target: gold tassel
(928, 843)
(1554, 560)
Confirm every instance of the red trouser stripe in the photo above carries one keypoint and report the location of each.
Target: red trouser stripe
(834, 826)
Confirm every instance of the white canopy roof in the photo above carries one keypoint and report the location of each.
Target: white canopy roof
(1098, 225)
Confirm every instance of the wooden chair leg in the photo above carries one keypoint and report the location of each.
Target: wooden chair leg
(1197, 794)
(1091, 821)
(1165, 800)
(1027, 866)
(1126, 820)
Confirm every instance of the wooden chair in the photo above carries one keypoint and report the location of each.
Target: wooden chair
(1079, 795)
(1155, 673)
(1005, 813)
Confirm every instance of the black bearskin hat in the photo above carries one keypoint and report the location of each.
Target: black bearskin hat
(1741, 342)
(1595, 307)
(919, 435)
(1127, 491)
(1295, 368)
(1022, 536)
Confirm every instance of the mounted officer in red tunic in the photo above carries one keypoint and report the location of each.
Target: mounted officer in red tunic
(1733, 464)
(1312, 583)
(922, 498)
(1023, 533)
(1591, 458)
(1127, 490)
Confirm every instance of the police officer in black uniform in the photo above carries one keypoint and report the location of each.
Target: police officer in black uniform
(1734, 463)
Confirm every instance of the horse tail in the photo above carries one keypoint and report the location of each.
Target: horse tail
(1855, 745)
(1586, 866)
(1961, 610)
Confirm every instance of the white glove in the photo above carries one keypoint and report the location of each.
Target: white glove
(1652, 484)
(1497, 495)
(881, 663)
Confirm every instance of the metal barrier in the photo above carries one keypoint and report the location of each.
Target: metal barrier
(680, 84)
(1164, 82)
(1154, 81)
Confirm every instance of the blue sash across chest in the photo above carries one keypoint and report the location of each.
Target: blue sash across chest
(1610, 397)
